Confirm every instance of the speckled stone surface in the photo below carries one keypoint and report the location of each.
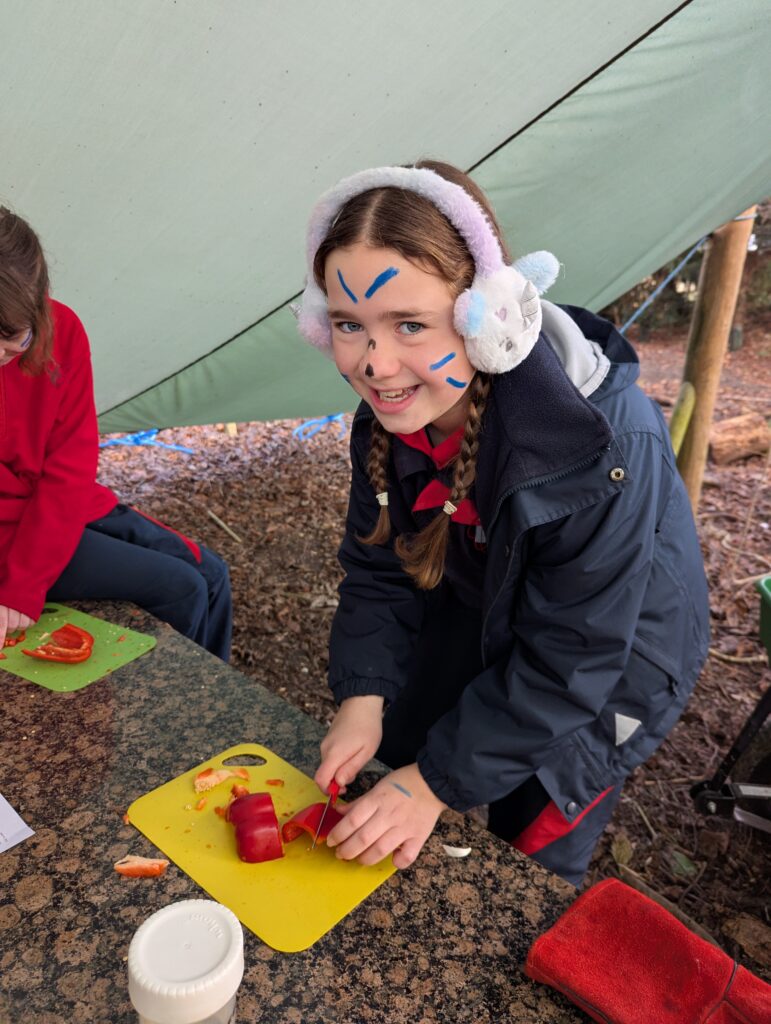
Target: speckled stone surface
(442, 941)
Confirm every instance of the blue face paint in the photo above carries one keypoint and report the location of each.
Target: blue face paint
(435, 366)
(346, 378)
(456, 383)
(347, 290)
(402, 789)
(25, 342)
(379, 281)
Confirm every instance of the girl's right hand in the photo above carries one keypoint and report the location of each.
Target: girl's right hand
(353, 738)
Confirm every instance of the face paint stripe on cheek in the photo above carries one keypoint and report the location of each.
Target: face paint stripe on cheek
(368, 371)
(345, 287)
(380, 280)
(456, 383)
(447, 358)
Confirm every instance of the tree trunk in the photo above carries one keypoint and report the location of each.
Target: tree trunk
(719, 281)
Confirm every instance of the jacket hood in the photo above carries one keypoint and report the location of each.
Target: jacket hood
(625, 366)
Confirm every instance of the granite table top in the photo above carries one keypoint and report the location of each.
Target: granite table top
(444, 940)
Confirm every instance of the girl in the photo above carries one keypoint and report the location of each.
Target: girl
(62, 535)
(524, 609)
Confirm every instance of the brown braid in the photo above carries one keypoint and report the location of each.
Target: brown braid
(423, 555)
(377, 469)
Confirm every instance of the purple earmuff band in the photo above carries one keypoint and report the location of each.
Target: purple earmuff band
(462, 211)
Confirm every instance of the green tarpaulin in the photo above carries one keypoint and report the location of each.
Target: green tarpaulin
(169, 153)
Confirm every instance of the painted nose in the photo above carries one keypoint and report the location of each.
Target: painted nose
(379, 362)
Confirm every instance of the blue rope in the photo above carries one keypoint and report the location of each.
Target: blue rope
(145, 438)
(311, 427)
(655, 294)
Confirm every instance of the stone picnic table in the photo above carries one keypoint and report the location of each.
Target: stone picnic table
(444, 940)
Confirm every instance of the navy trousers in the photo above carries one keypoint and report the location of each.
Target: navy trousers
(124, 556)
(527, 818)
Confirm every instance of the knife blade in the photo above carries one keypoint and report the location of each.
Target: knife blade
(334, 792)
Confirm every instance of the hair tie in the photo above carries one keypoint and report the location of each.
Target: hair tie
(382, 498)
(449, 508)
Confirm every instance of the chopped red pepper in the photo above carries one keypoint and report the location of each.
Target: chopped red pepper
(68, 645)
(274, 782)
(238, 790)
(140, 867)
(257, 834)
(211, 777)
(307, 820)
(11, 641)
(201, 803)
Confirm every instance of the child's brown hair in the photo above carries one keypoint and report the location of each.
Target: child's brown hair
(402, 220)
(24, 290)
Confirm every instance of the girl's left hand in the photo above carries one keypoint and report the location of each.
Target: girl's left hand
(398, 814)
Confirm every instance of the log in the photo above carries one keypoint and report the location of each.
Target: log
(738, 437)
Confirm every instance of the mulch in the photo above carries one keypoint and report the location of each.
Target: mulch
(285, 497)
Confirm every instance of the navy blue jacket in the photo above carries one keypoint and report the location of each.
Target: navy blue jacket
(595, 601)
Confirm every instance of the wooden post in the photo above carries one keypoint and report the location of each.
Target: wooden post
(719, 280)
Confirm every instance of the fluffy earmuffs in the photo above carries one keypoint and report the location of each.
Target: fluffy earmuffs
(499, 316)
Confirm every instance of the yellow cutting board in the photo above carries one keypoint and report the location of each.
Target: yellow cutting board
(289, 903)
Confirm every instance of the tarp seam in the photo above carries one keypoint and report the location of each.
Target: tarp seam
(580, 85)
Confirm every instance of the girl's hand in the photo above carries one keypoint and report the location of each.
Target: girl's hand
(11, 621)
(353, 738)
(398, 814)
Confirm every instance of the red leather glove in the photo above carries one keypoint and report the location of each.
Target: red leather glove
(623, 959)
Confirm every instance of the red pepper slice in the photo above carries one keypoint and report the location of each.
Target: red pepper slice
(11, 641)
(307, 820)
(131, 866)
(257, 833)
(68, 645)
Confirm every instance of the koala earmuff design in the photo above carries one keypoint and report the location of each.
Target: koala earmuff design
(499, 316)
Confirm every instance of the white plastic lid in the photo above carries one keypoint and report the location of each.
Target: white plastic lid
(185, 962)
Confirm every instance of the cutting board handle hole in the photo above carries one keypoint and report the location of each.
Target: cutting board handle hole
(252, 760)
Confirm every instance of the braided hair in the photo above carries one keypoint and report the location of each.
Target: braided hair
(423, 554)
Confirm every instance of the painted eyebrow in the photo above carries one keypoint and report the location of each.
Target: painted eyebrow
(345, 287)
(380, 280)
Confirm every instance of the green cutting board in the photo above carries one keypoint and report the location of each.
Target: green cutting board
(114, 646)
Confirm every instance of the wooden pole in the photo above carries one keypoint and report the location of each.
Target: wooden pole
(719, 281)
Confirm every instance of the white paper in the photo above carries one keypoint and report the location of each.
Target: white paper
(13, 829)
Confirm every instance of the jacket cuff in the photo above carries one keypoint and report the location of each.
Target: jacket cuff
(364, 686)
(442, 786)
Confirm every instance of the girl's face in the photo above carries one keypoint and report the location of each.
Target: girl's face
(393, 339)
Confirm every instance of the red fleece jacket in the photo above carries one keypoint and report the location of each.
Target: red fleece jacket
(49, 449)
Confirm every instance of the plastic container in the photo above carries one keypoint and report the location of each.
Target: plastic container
(185, 964)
